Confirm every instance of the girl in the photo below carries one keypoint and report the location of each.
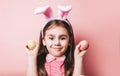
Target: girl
(56, 54)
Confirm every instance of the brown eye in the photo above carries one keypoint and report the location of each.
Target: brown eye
(51, 38)
(62, 38)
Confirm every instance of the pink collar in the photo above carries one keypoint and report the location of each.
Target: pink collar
(50, 58)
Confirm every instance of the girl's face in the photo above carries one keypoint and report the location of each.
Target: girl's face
(56, 40)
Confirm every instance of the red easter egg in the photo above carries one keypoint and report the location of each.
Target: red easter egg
(84, 45)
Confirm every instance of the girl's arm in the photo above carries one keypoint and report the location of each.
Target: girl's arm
(32, 68)
(80, 50)
(32, 62)
(78, 66)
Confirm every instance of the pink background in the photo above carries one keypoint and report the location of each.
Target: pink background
(97, 21)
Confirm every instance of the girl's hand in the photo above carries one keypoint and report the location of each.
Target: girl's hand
(80, 50)
(31, 48)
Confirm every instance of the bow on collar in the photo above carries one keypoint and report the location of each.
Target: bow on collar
(50, 58)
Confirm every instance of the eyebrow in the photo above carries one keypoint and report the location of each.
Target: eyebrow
(60, 35)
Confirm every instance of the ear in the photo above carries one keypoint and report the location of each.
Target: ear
(69, 43)
(43, 41)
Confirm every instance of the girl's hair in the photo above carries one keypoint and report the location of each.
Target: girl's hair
(42, 51)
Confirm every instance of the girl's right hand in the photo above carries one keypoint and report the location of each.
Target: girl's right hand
(31, 52)
(80, 50)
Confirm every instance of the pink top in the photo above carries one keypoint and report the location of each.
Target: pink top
(54, 65)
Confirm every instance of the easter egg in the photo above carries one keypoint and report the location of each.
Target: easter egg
(84, 45)
(31, 44)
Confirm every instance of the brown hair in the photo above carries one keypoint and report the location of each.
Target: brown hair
(69, 61)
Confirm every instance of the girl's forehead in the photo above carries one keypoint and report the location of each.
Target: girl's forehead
(56, 30)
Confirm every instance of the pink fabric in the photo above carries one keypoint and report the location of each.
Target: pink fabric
(54, 65)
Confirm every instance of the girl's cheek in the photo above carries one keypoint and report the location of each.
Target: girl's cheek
(66, 43)
(49, 43)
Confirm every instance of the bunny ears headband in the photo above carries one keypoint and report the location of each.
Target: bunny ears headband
(47, 12)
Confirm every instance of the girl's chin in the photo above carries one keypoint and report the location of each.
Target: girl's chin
(57, 54)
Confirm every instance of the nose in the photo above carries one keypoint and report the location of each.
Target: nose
(57, 42)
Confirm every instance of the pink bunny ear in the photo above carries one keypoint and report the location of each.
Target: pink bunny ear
(63, 11)
(46, 10)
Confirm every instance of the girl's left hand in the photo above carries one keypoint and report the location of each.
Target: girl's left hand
(80, 50)
(31, 48)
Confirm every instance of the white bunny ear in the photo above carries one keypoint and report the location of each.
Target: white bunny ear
(46, 10)
(63, 11)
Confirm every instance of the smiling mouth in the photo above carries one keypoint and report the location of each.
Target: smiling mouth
(57, 48)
